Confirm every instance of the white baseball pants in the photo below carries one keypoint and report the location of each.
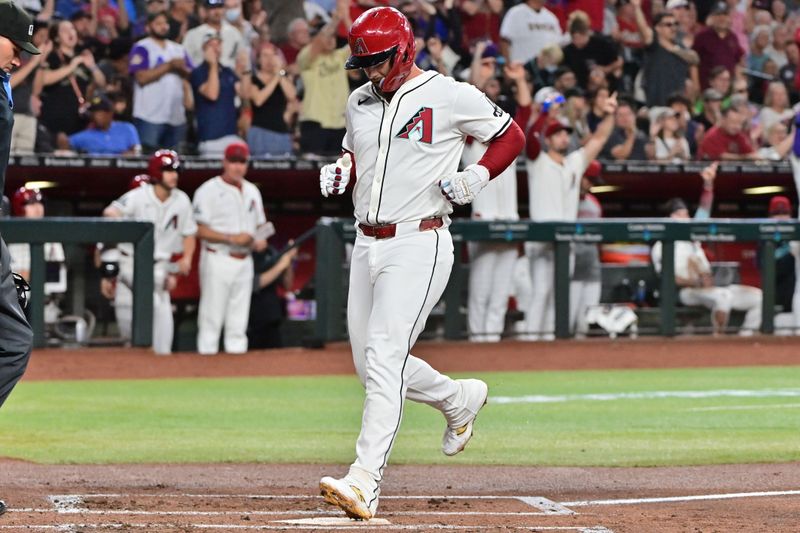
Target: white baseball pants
(490, 284)
(163, 323)
(394, 284)
(582, 295)
(226, 284)
(540, 314)
(723, 299)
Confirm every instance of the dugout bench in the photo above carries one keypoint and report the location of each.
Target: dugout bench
(333, 234)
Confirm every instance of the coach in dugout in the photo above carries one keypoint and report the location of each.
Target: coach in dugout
(16, 340)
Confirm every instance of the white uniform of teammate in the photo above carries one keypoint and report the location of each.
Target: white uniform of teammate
(226, 270)
(553, 191)
(406, 152)
(173, 221)
(491, 263)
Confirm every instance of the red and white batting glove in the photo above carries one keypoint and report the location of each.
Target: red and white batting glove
(462, 187)
(333, 178)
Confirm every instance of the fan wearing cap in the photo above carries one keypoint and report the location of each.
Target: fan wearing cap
(233, 44)
(693, 276)
(229, 213)
(170, 210)
(16, 341)
(554, 181)
(717, 45)
(104, 136)
(215, 89)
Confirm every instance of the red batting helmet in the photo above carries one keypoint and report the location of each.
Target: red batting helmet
(22, 197)
(378, 35)
(160, 161)
(138, 181)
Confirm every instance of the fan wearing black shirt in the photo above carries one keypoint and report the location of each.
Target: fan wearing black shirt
(588, 50)
(271, 95)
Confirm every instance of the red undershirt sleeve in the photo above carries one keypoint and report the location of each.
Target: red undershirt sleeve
(503, 150)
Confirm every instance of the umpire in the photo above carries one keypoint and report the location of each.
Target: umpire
(16, 336)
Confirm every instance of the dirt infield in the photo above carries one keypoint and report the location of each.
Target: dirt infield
(221, 497)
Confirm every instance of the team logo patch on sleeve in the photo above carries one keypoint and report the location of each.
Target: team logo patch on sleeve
(420, 127)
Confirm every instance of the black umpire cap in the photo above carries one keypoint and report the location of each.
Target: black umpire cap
(17, 25)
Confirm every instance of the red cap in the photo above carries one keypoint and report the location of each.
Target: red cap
(237, 151)
(554, 127)
(780, 205)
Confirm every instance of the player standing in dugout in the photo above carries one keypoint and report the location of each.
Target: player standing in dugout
(406, 130)
(16, 336)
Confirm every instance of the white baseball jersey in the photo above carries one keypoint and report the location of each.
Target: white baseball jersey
(403, 148)
(498, 200)
(554, 189)
(160, 101)
(529, 31)
(172, 219)
(228, 209)
(684, 251)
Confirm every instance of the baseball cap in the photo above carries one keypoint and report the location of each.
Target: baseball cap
(674, 4)
(238, 152)
(593, 172)
(554, 127)
(720, 8)
(780, 205)
(214, 3)
(211, 36)
(100, 103)
(17, 25)
(712, 95)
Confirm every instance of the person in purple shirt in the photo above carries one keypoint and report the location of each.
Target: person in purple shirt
(104, 136)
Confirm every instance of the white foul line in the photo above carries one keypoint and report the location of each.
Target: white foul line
(745, 407)
(648, 395)
(301, 512)
(728, 496)
(548, 506)
(284, 527)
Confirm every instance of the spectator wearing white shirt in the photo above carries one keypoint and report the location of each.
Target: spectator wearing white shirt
(161, 92)
(526, 29)
(234, 44)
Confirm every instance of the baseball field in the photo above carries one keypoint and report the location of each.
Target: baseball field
(646, 435)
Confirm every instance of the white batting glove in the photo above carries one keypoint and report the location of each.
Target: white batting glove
(333, 178)
(462, 187)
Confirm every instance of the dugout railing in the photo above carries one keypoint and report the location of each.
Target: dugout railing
(88, 231)
(334, 233)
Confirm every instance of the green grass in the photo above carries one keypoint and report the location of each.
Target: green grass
(316, 419)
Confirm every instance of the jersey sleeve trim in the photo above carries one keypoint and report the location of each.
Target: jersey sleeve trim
(502, 129)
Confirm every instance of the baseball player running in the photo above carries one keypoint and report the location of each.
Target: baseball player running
(405, 132)
(16, 340)
(170, 211)
(554, 180)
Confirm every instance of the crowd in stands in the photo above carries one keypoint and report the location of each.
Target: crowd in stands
(697, 79)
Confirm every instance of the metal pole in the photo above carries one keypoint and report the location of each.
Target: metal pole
(561, 281)
(768, 287)
(37, 294)
(143, 290)
(668, 296)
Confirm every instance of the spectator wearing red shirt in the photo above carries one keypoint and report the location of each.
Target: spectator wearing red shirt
(480, 20)
(717, 45)
(726, 141)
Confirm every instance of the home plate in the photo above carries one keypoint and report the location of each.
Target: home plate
(333, 521)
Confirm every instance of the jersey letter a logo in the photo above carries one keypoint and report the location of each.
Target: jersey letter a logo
(420, 127)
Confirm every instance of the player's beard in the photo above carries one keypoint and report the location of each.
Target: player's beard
(161, 36)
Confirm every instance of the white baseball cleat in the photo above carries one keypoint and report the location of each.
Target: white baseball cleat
(475, 393)
(356, 501)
